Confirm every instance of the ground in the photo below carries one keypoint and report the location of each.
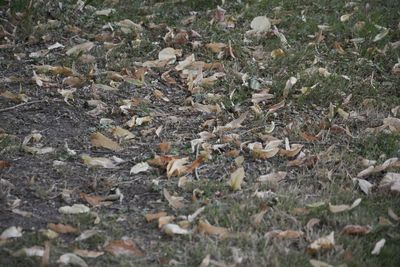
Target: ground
(311, 100)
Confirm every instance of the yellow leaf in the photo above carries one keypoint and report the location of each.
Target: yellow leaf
(99, 140)
(237, 179)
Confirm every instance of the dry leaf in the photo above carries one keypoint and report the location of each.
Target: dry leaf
(317, 263)
(160, 95)
(290, 234)
(11, 232)
(160, 161)
(80, 48)
(312, 222)
(270, 150)
(177, 167)
(237, 179)
(364, 185)
(175, 202)
(74, 209)
(393, 215)
(174, 229)
(216, 47)
(155, 216)
(4, 164)
(37, 150)
(233, 124)
(99, 140)
(356, 230)
(72, 259)
(168, 54)
(165, 220)
(261, 96)
(98, 162)
(259, 25)
(87, 234)
(62, 228)
(92, 200)
(140, 167)
(293, 151)
(341, 208)
(345, 17)
(378, 247)
(392, 123)
(390, 179)
(165, 147)
(123, 247)
(274, 177)
(257, 218)
(289, 84)
(88, 253)
(122, 133)
(381, 35)
(277, 53)
(205, 228)
(326, 242)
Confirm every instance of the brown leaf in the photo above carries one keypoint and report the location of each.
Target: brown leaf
(177, 167)
(356, 230)
(123, 247)
(309, 137)
(92, 200)
(290, 234)
(165, 147)
(99, 140)
(339, 48)
(4, 164)
(293, 151)
(62, 228)
(205, 228)
(165, 220)
(154, 216)
(160, 161)
(173, 201)
(326, 242)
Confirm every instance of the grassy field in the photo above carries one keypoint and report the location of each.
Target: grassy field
(323, 78)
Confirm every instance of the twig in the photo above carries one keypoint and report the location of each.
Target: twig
(28, 103)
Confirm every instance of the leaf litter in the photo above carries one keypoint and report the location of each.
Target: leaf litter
(188, 124)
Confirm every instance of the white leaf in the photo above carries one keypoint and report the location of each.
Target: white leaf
(381, 35)
(364, 185)
(378, 247)
(140, 167)
(174, 229)
(11, 232)
(260, 24)
(74, 209)
(72, 259)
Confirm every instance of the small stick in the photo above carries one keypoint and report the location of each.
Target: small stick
(27, 103)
